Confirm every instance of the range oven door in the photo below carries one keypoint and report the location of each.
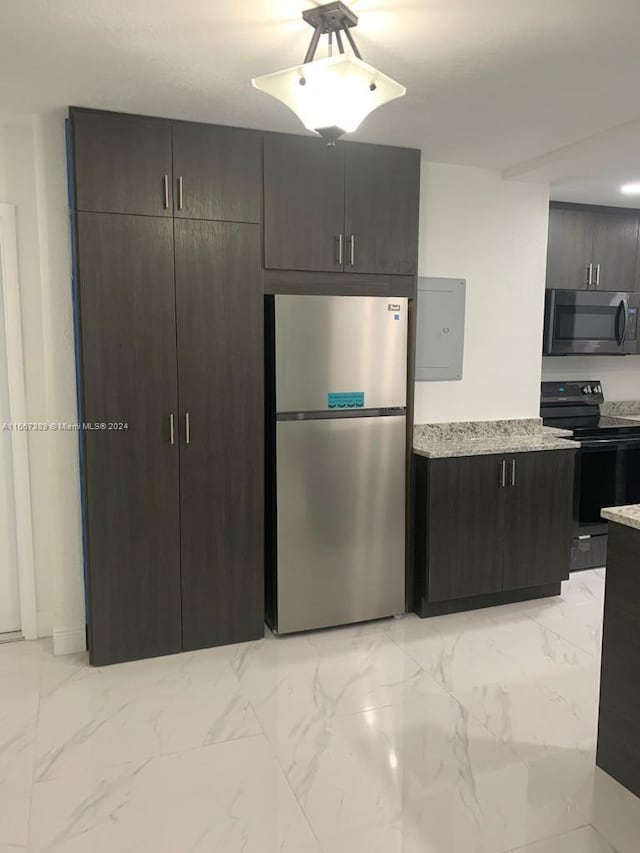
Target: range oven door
(607, 474)
(579, 322)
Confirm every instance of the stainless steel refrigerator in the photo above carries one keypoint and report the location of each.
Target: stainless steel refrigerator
(337, 544)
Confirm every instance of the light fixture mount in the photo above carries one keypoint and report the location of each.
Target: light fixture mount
(331, 96)
(327, 20)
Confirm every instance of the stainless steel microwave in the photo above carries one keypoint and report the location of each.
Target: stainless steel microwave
(587, 322)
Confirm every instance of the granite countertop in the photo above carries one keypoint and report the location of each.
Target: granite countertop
(484, 438)
(627, 515)
(622, 409)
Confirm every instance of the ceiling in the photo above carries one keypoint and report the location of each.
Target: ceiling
(506, 84)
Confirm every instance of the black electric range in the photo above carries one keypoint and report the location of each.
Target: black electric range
(607, 464)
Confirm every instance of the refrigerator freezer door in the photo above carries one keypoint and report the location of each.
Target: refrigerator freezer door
(340, 351)
(341, 521)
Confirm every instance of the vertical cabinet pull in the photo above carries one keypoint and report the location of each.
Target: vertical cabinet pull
(172, 430)
(503, 474)
(339, 240)
(352, 250)
(165, 191)
(513, 472)
(180, 192)
(596, 282)
(187, 428)
(589, 275)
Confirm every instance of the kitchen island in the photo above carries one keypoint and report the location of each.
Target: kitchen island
(619, 722)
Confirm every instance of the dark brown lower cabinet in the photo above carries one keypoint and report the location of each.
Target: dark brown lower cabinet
(220, 355)
(538, 515)
(171, 318)
(487, 527)
(129, 384)
(464, 509)
(619, 722)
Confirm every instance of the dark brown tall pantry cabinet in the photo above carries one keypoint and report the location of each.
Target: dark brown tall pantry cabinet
(169, 301)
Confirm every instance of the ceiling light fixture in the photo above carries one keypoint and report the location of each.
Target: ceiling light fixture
(331, 96)
(630, 189)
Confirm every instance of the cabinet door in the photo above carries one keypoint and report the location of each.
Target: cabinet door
(538, 519)
(303, 204)
(129, 376)
(217, 173)
(382, 192)
(221, 356)
(569, 251)
(615, 251)
(122, 163)
(465, 519)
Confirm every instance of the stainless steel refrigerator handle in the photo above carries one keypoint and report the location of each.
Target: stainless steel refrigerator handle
(172, 431)
(352, 250)
(513, 472)
(503, 474)
(165, 187)
(180, 192)
(597, 280)
(339, 258)
(589, 275)
(187, 429)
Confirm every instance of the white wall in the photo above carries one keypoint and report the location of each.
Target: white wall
(9, 585)
(493, 232)
(33, 177)
(620, 376)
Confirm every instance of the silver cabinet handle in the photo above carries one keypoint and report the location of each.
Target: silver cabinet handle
(339, 257)
(597, 279)
(503, 474)
(352, 250)
(180, 192)
(589, 275)
(165, 187)
(513, 472)
(172, 429)
(187, 428)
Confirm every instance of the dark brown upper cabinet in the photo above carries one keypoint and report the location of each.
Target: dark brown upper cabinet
(122, 163)
(351, 208)
(592, 248)
(217, 173)
(382, 197)
(303, 204)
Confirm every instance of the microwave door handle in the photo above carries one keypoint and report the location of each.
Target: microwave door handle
(621, 312)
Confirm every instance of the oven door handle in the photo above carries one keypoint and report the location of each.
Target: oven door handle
(621, 313)
(605, 443)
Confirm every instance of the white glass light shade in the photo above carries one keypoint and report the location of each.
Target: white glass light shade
(339, 91)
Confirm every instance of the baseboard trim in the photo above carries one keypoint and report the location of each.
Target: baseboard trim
(68, 641)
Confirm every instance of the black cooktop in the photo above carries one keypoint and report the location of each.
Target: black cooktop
(595, 426)
(601, 426)
(575, 406)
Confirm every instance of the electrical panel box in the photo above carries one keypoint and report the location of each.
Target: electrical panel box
(440, 328)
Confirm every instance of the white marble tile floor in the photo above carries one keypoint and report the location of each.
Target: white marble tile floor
(470, 733)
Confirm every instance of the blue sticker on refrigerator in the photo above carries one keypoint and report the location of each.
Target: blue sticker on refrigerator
(346, 400)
